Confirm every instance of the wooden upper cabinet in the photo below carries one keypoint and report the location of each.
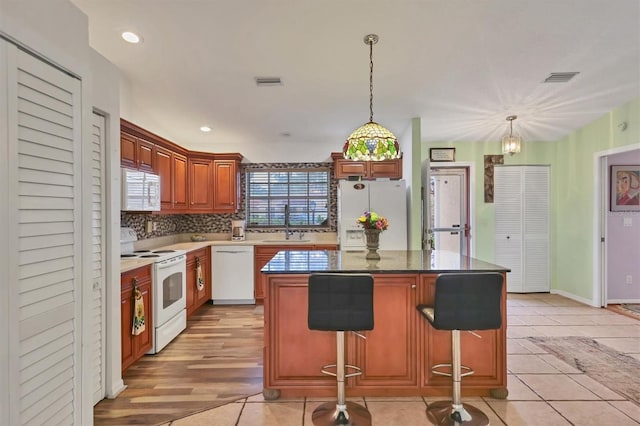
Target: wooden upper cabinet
(226, 186)
(343, 169)
(136, 153)
(179, 170)
(164, 169)
(128, 151)
(145, 155)
(201, 184)
(190, 181)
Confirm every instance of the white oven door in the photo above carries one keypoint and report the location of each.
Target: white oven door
(170, 289)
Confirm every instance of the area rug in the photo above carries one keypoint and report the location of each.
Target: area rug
(615, 370)
(631, 310)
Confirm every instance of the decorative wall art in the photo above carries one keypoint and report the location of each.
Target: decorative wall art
(625, 188)
(489, 162)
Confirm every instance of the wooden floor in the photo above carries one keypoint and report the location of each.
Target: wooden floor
(217, 359)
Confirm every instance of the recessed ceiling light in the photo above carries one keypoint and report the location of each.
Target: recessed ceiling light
(205, 129)
(131, 37)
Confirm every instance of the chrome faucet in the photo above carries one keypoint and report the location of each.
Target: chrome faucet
(287, 233)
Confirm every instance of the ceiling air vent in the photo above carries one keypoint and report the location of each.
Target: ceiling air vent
(268, 81)
(560, 77)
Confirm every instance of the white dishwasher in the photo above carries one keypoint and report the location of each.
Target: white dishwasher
(232, 275)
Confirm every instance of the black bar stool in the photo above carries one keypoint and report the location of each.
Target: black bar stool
(341, 302)
(463, 301)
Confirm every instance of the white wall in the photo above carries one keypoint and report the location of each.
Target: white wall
(57, 31)
(106, 100)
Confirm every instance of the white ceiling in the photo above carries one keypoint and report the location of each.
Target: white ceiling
(461, 66)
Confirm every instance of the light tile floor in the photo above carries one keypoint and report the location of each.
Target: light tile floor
(543, 390)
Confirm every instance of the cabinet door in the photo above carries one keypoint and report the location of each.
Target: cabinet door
(388, 355)
(190, 278)
(145, 155)
(144, 341)
(200, 184)
(128, 151)
(304, 351)
(195, 296)
(484, 354)
(134, 347)
(345, 168)
(225, 193)
(386, 169)
(202, 296)
(165, 170)
(179, 181)
(126, 320)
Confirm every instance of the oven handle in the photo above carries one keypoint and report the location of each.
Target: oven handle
(170, 262)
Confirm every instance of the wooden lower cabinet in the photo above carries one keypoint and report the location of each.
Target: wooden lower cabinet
(481, 352)
(197, 297)
(263, 254)
(388, 356)
(396, 357)
(134, 347)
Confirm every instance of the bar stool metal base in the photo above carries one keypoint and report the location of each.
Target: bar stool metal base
(442, 413)
(328, 414)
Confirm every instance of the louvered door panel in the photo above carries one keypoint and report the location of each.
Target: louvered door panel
(47, 169)
(508, 224)
(535, 226)
(97, 315)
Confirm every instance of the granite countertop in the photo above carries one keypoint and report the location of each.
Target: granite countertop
(128, 264)
(392, 261)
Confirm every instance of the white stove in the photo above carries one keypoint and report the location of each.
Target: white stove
(168, 287)
(128, 237)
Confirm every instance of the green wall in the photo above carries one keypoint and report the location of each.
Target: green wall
(572, 180)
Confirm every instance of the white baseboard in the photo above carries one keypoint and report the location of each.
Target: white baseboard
(116, 389)
(618, 301)
(574, 297)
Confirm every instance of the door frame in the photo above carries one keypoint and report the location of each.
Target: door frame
(469, 166)
(600, 200)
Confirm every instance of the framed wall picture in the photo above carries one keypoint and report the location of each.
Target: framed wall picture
(625, 188)
(442, 154)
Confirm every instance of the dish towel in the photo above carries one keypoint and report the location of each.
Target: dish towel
(138, 312)
(199, 277)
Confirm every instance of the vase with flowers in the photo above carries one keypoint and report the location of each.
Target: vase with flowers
(373, 225)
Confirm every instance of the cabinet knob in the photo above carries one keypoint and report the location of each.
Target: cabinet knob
(413, 286)
(508, 237)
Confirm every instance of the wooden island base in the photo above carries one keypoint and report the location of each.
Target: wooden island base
(395, 357)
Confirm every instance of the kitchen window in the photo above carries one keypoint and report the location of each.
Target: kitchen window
(303, 192)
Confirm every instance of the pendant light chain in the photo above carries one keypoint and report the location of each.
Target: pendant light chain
(370, 80)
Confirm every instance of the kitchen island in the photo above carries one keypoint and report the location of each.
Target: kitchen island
(397, 354)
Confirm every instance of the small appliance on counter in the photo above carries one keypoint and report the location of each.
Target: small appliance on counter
(237, 230)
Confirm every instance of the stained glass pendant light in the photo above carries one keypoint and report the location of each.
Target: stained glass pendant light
(371, 141)
(511, 143)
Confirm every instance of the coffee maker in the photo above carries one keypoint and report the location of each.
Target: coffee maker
(237, 230)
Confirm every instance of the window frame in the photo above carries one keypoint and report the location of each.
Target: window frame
(275, 224)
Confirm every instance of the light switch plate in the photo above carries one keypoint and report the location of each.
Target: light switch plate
(627, 222)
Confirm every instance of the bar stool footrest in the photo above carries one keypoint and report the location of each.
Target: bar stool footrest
(357, 372)
(435, 370)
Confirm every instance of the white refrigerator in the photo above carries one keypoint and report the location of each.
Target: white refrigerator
(387, 198)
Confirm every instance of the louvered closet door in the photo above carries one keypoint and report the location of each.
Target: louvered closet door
(44, 146)
(521, 205)
(508, 224)
(98, 353)
(535, 225)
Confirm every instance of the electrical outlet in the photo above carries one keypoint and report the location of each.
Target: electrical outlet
(155, 226)
(149, 227)
(629, 279)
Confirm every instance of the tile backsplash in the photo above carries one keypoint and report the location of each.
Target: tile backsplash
(173, 224)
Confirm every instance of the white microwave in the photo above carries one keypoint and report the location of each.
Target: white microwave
(140, 191)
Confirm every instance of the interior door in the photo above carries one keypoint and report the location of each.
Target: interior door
(449, 214)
